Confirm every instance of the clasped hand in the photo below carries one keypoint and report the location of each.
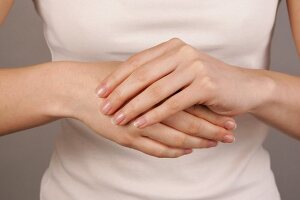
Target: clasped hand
(154, 85)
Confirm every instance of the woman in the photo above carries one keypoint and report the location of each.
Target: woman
(88, 41)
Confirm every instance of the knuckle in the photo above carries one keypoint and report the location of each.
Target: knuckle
(159, 154)
(117, 94)
(219, 134)
(155, 91)
(173, 105)
(134, 61)
(177, 154)
(176, 40)
(130, 109)
(183, 142)
(154, 115)
(186, 50)
(194, 129)
(203, 143)
(199, 66)
(139, 76)
(209, 83)
(174, 154)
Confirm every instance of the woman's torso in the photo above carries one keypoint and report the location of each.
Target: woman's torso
(86, 166)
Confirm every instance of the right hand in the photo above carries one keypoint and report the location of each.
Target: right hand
(160, 140)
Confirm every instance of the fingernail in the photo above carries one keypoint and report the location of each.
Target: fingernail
(228, 138)
(106, 107)
(212, 144)
(187, 151)
(139, 122)
(230, 125)
(101, 90)
(118, 118)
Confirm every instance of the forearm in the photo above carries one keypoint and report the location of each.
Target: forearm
(28, 97)
(35, 95)
(282, 109)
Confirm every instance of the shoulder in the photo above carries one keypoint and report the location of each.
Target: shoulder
(294, 15)
(5, 6)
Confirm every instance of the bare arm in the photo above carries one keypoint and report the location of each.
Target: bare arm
(24, 102)
(34, 95)
(294, 15)
(5, 6)
(271, 96)
(283, 108)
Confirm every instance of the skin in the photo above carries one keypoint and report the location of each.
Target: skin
(59, 95)
(29, 99)
(68, 91)
(5, 6)
(181, 76)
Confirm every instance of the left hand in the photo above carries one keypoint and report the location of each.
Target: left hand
(172, 76)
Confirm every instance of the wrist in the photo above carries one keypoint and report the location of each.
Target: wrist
(73, 86)
(267, 89)
(56, 85)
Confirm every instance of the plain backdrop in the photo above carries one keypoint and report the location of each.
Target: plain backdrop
(25, 155)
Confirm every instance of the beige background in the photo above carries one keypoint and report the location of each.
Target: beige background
(25, 155)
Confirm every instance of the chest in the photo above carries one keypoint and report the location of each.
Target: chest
(123, 27)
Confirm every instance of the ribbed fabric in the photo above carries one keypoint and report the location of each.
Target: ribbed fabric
(85, 166)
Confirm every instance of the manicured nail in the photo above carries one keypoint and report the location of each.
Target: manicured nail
(139, 122)
(187, 151)
(118, 118)
(101, 90)
(230, 125)
(212, 144)
(228, 138)
(106, 107)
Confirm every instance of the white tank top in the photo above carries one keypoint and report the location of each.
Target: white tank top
(86, 166)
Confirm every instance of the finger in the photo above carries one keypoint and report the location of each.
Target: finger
(205, 113)
(142, 77)
(127, 67)
(157, 149)
(152, 95)
(198, 127)
(180, 101)
(174, 138)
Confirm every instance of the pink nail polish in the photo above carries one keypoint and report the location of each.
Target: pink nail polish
(212, 144)
(101, 90)
(139, 122)
(230, 125)
(118, 118)
(106, 107)
(228, 139)
(188, 151)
